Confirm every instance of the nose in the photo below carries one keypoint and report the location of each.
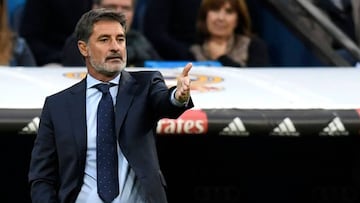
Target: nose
(119, 9)
(114, 46)
(221, 14)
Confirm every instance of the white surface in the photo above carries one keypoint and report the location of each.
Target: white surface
(256, 88)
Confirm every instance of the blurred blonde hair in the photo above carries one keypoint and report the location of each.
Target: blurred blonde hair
(6, 35)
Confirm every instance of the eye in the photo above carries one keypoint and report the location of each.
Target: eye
(103, 39)
(229, 11)
(215, 9)
(127, 8)
(121, 39)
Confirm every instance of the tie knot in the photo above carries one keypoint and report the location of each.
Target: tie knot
(104, 87)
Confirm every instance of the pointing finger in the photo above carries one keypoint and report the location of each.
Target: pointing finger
(186, 70)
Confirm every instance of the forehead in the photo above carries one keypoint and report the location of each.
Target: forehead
(227, 5)
(216, 4)
(117, 2)
(108, 27)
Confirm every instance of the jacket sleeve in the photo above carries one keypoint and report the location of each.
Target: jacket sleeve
(43, 164)
(161, 96)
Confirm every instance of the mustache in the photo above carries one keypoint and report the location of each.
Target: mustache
(114, 56)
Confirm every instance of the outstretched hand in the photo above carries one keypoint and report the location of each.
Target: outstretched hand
(183, 85)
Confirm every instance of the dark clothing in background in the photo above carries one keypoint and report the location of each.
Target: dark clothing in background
(257, 54)
(22, 55)
(47, 23)
(138, 51)
(170, 26)
(343, 18)
(71, 55)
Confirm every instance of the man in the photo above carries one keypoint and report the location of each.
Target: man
(66, 158)
(138, 47)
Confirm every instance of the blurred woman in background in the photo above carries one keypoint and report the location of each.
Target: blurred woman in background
(224, 34)
(14, 49)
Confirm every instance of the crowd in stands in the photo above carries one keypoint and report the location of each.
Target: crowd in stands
(345, 14)
(224, 34)
(14, 49)
(172, 29)
(139, 49)
(162, 30)
(46, 25)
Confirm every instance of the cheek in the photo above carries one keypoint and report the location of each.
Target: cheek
(209, 22)
(233, 21)
(124, 54)
(129, 17)
(210, 18)
(96, 55)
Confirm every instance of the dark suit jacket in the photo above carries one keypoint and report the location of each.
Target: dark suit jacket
(58, 157)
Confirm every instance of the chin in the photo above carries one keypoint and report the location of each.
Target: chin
(109, 73)
(115, 67)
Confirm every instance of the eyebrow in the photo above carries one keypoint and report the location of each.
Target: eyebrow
(107, 35)
(115, 6)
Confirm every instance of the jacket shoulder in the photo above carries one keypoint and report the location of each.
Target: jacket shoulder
(72, 89)
(146, 75)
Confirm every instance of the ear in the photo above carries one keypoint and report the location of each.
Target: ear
(83, 48)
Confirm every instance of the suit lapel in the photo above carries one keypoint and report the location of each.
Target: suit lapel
(124, 98)
(78, 117)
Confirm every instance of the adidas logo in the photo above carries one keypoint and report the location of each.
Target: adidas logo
(31, 127)
(235, 128)
(334, 128)
(285, 128)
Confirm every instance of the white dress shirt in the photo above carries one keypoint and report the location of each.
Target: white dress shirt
(128, 192)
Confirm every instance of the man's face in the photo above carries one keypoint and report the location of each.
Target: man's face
(124, 6)
(105, 51)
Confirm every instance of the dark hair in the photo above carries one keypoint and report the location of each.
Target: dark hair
(240, 7)
(6, 35)
(85, 25)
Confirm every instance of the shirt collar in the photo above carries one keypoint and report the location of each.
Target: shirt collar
(91, 81)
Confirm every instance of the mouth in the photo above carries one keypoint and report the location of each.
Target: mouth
(114, 59)
(217, 26)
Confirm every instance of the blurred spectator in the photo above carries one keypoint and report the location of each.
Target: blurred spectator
(14, 50)
(169, 25)
(356, 17)
(47, 23)
(15, 8)
(345, 14)
(340, 12)
(138, 47)
(224, 34)
(138, 21)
